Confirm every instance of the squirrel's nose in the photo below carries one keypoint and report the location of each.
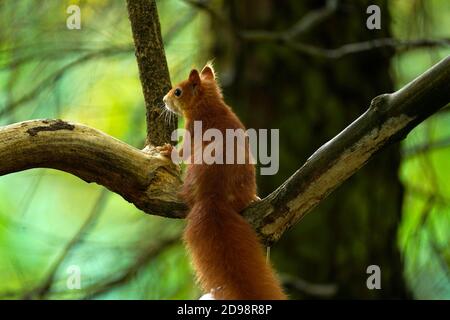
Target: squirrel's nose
(165, 98)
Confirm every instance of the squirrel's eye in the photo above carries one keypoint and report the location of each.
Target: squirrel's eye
(177, 92)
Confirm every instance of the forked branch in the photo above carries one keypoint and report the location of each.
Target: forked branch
(151, 182)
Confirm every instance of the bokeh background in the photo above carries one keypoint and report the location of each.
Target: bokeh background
(394, 213)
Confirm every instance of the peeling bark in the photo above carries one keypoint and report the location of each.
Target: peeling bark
(51, 125)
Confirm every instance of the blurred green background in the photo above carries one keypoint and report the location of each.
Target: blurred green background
(50, 220)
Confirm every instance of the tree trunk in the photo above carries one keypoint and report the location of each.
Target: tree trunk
(310, 100)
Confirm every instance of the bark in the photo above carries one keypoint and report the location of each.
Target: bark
(146, 179)
(153, 70)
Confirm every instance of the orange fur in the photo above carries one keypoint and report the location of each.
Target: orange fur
(225, 250)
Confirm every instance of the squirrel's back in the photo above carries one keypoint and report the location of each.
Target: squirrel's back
(226, 253)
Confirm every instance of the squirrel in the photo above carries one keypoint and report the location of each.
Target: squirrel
(227, 256)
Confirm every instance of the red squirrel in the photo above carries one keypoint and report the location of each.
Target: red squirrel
(227, 256)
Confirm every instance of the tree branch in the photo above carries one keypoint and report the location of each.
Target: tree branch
(146, 179)
(151, 182)
(288, 37)
(46, 284)
(389, 119)
(55, 76)
(426, 147)
(150, 253)
(305, 24)
(153, 70)
(358, 47)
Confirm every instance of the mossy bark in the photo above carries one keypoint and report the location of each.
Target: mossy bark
(153, 70)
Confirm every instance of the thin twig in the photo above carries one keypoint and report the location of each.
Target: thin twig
(426, 147)
(311, 289)
(55, 76)
(364, 46)
(146, 257)
(308, 22)
(45, 287)
(302, 26)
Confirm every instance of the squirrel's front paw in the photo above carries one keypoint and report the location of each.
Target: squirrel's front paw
(165, 150)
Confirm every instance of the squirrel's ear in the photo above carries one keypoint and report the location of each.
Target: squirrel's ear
(194, 78)
(208, 72)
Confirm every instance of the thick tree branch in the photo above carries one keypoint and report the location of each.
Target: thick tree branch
(389, 119)
(153, 70)
(151, 182)
(146, 179)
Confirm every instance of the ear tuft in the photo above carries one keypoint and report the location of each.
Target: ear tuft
(208, 71)
(194, 77)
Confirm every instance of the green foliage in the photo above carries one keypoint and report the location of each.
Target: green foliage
(90, 76)
(424, 236)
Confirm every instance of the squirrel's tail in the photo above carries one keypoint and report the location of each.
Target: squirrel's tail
(227, 255)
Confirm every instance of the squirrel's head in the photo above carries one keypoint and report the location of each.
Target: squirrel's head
(185, 96)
